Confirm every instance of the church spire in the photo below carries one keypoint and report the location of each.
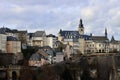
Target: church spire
(112, 39)
(81, 24)
(105, 32)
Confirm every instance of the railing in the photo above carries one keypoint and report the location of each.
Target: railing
(14, 67)
(2, 68)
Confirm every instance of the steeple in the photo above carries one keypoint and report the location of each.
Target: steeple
(81, 28)
(105, 32)
(112, 39)
(81, 24)
(60, 30)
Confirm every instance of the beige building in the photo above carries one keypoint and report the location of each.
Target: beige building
(3, 39)
(13, 45)
(114, 45)
(68, 51)
(20, 35)
(37, 39)
(29, 39)
(84, 43)
(77, 39)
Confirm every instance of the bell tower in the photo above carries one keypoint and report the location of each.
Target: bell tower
(81, 28)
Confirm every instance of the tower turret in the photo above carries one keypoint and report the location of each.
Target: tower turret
(112, 39)
(105, 32)
(81, 27)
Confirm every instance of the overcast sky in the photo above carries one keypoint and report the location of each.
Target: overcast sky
(53, 15)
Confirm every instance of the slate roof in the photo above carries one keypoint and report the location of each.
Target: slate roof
(38, 33)
(50, 35)
(48, 50)
(57, 42)
(43, 53)
(73, 35)
(99, 38)
(14, 31)
(114, 41)
(36, 57)
(11, 38)
(86, 37)
(30, 35)
(24, 32)
(2, 31)
(6, 30)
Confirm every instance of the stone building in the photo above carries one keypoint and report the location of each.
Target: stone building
(68, 51)
(20, 35)
(13, 45)
(114, 45)
(51, 40)
(6, 59)
(37, 39)
(39, 58)
(77, 38)
(86, 43)
(3, 39)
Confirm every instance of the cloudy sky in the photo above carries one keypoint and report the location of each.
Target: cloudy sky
(53, 15)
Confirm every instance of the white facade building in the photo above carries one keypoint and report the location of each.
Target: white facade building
(50, 40)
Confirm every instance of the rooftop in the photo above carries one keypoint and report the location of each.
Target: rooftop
(99, 38)
(73, 35)
(11, 38)
(38, 33)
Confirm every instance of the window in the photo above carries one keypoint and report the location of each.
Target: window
(81, 29)
(90, 45)
(99, 45)
(87, 45)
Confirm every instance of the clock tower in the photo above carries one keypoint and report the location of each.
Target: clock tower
(81, 28)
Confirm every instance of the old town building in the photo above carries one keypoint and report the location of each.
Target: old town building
(37, 39)
(3, 39)
(85, 43)
(13, 45)
(51, 40)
